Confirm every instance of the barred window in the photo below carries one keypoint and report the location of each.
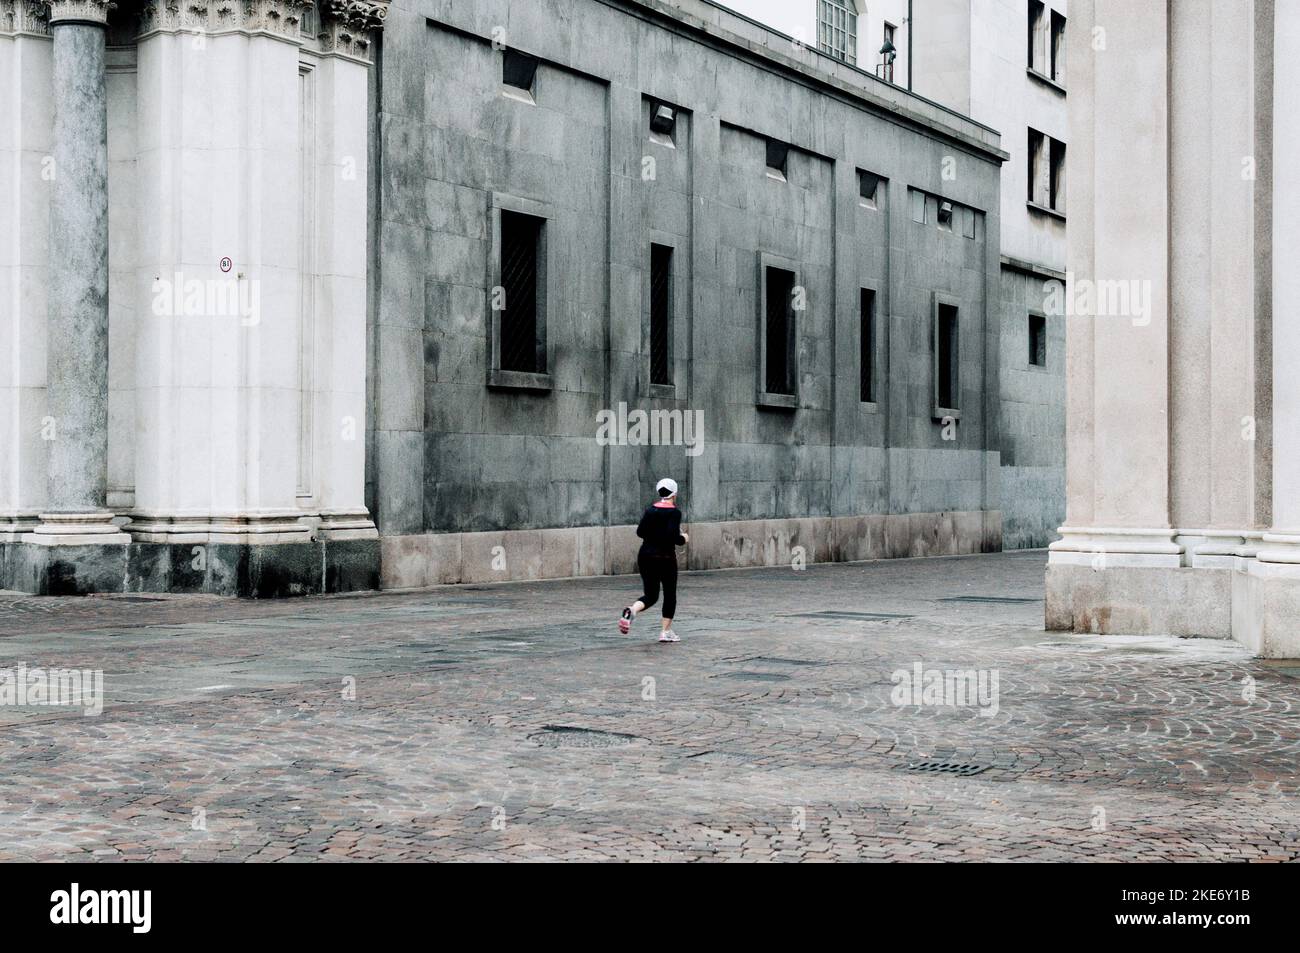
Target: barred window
(780, 331)
(837, 29)
(661, 314)
(522, 348)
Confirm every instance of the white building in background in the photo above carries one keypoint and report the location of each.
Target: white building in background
(853, 31)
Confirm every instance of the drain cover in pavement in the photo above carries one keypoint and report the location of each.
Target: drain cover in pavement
(838, 614)
(568, 736)
(947, 767)
(991, 600)
(755, 676)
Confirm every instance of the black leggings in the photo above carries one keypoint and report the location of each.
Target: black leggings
(659, 571)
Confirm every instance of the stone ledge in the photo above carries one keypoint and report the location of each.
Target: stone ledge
(431, 559)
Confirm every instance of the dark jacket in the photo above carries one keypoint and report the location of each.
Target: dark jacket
(661, 530)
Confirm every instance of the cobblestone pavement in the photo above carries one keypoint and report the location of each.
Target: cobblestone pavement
(514, 722)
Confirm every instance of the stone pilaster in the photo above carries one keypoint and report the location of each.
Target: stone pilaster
(77, 350)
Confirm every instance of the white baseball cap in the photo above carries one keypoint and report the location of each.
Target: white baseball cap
(669, 484)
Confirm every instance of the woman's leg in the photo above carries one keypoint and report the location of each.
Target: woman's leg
(669, 573)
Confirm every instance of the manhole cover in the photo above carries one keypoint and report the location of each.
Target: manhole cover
(569, 736)
(992, 600)
(959, 768)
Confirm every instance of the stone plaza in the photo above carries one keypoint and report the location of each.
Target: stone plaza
(512, 722)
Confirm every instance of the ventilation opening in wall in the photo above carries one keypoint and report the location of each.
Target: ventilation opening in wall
(522, 346)
(778, 371)
(945, 216)
(1037, 340)
(867, 347)
(663, 124)
(946, 381)
(868, 187)
(778, 158)
(661, 314)
(518, 73)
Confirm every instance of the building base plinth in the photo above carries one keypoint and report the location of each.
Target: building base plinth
(262, 570)
(1139, 600)
(1266, 608)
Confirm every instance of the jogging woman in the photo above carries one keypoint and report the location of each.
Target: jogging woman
(661, 533)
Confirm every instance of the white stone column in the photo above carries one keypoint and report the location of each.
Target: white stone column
(26, 146)
(341, 258)
(219, 168)
(77, 346)
(1266, 610)
(1117, 365)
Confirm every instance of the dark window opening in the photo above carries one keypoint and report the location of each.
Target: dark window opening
(868, 186)
(661, 314)
(1034, 148)
(780, 332)
(778, 154)
(1037, 340)
(522, 347)
(946, 382)
(867, 347)
(518, 70)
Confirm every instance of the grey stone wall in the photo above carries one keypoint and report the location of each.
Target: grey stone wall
(453, 455)
(1033, 418)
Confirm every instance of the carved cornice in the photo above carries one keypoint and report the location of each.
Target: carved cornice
(24, 16)
(80, 11)
(346, 25)
(279, 17)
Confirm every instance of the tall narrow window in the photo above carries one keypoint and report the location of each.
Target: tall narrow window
(946, 377)
(522, 346)
(1034, 155)
(1058, 47)
(867, 347)
(1056, 181)
(1037, 340)
(661, 314)
(780, 331)
(1037, 14)
(837, 29)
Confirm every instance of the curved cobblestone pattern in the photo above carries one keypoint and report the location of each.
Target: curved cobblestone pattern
(229, 730)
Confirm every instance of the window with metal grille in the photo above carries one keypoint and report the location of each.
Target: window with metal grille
(780, 331)
(661, 314)
(522, 346)
(867, 347)
(946, 381)
(837, 29)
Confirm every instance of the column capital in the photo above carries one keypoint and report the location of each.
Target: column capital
(80, 11)
(279, 17)
(346, 25)
(24, 16)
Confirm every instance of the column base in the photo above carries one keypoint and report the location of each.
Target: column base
(77, 529)
(1106, 547)
(15, 525)
(1266, 608)
(285, 526)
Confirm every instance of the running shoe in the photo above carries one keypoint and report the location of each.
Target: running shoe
(669, 636)
(625, 621)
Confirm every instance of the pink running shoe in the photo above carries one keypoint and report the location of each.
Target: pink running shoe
(625, 621)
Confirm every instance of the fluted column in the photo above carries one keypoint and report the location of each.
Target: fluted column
(77, 356)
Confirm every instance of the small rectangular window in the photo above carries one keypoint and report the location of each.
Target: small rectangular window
(867, 347)
(868, 186)
(518, 70)
(780, 331)
(661, 314)
(778, 155)
(1058, 47)
(1037, 340)
(837, 29)
(522, 337)
(947, 380)
(1037, 13)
